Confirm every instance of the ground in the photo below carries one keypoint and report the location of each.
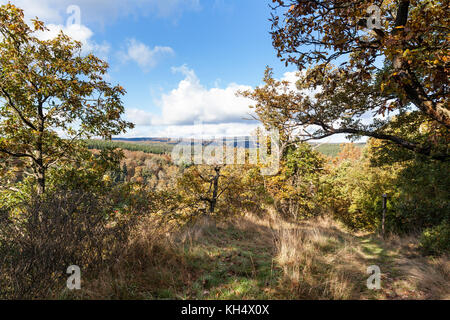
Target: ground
(261, 258)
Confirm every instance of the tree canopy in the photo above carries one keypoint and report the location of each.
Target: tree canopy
(359, 63)
(52, 96)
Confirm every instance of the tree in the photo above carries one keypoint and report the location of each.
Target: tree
(202, 182)
(351, 77)
(213, 189)
(52, 96)
(348, 151)
(296, 189)
(218, 190)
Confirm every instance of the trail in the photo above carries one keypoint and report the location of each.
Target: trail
(239, 261)
(251, 258)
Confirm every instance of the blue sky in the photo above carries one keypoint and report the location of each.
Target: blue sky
(181, 61)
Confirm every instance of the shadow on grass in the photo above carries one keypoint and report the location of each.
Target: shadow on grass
(240, 262)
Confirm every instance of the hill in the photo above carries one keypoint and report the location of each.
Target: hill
(165, 145)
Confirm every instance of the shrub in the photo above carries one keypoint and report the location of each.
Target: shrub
(46, 235)
(436, 240)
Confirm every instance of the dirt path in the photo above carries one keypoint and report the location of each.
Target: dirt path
(405, 274)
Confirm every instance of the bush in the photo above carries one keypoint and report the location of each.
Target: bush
(436, 240)
(417, 189)
(46, 235)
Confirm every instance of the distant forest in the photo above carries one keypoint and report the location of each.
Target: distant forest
(155, 146)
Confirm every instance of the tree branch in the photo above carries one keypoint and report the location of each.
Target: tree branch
(18, 155)
(12, 104)
(399, 141)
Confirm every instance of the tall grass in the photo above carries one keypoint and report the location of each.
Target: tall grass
(254, 257)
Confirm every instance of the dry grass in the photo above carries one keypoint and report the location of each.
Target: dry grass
(419, 277)
(150, 263)
(318, 260)
(267, 258)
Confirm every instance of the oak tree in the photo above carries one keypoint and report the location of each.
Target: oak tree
(360, 61)
(51, 97)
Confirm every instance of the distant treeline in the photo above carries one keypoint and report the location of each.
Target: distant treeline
(333, 149)
(157, 148)
(328, 149)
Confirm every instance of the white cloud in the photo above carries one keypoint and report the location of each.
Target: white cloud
(46, 10)
(80, 33)
(191, 109)
(206, 131)
(191, 102)
(138, 117)
(143, 55)
(292, 78)
(54, 14)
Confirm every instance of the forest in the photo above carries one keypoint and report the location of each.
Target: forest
(142, 226)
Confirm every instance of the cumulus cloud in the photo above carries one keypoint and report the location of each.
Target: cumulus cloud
(80, 33)
(138, 117)
(192, 110)
(292, 78)
(143, 55)
(191, 102)
(206, 131)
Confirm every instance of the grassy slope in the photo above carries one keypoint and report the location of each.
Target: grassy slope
(266, 259)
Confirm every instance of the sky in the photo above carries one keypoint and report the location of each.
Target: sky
(181, 61)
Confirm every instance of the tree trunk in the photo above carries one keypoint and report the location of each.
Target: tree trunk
(409, 82)
(212, 203)
(40, 180)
